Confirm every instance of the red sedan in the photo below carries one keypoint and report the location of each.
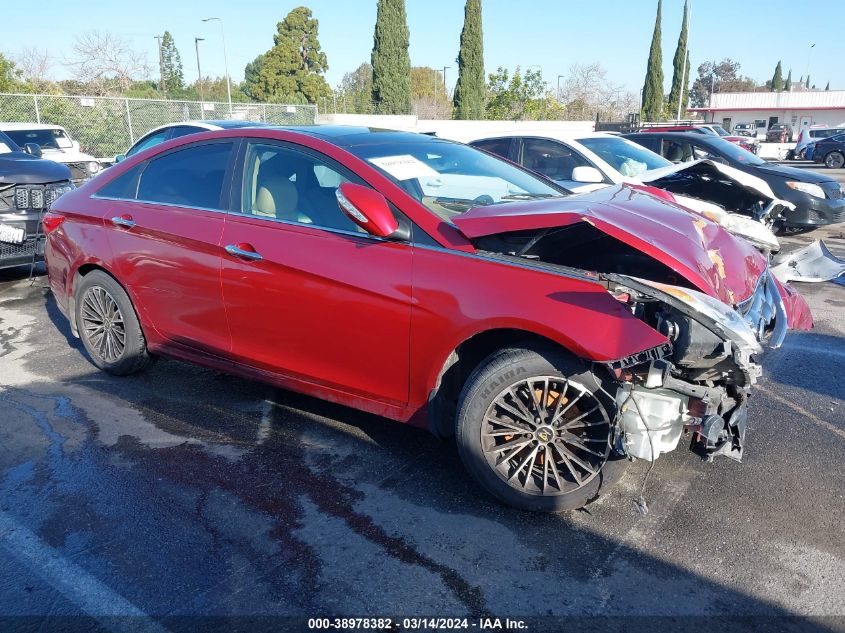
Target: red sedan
(428, 282)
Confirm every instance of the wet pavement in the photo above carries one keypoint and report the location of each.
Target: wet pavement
(147, 501)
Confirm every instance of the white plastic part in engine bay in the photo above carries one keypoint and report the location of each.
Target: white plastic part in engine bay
(652, 420)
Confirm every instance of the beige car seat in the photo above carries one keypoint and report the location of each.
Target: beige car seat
(275, 195)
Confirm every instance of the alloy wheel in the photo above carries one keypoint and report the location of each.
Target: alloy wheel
(102, 324)
(546, 435)
(834, 160)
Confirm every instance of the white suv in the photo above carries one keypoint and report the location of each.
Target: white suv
(56, 145)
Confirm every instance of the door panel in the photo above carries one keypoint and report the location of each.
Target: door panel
(322, 306)
(170, 259)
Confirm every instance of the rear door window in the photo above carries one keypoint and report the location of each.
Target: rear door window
(189, 177)
(499, 146)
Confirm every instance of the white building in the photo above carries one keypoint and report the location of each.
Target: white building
(808, 107)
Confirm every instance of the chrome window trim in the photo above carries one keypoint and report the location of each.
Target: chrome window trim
(328, 229)
(159, 204)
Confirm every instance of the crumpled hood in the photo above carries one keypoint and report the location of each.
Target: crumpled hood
(710, 258)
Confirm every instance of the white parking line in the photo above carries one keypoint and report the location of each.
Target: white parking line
(92, 597)
(801, 410)
(266, 419)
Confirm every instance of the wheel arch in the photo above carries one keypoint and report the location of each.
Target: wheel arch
(80, 272)
(464, 359)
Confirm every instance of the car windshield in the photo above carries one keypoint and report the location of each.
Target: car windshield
(735, 152)
(720, 130)
(7, 145)
(628, 158)
(53, 138)
(450, 178)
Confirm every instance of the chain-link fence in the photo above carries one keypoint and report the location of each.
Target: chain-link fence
(105, 126)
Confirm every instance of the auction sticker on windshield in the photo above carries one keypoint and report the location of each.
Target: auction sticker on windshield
(403, 167)
(11, 234)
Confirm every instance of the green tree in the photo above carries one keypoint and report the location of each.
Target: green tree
(721, 77)
(291, 71)
(171, 66)
(807, 83)
(390, 59)
(470, 89)
(520, 97)
(788, 85)
(680, 75)
(652, 105)
(777, 79)
(8, 74)
(428, 93)
(827, 87)
(355, 92)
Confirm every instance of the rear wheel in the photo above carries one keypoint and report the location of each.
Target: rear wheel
(536, 431)
(108, 325)
(834, 160)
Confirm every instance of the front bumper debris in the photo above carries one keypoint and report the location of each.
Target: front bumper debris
(813, 263)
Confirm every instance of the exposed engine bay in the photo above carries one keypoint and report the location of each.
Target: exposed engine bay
(698, 382)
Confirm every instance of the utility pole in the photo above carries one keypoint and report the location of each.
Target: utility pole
(225, 60)
(160, 64)
(559, 77)
(445, 86)
(197, 41)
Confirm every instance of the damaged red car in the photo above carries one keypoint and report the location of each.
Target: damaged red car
(555, 336)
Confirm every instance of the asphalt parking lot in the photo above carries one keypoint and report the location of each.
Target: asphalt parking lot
(183, 492)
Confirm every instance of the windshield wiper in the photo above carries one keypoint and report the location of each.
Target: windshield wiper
(529, 196)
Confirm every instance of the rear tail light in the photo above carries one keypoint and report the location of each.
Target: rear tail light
(51, 222)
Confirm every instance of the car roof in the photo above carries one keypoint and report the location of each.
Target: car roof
(353, 135)
(557, 135)
(11, 127)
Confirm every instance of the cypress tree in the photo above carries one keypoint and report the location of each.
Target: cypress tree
(680, 75)
(788, 85)
(807, 85)
(652, 107)
(777, 79)
(171, 66)
(470, 91)
(391, 63)
(827, 87)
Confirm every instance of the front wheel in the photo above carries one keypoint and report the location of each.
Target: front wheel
(536, 430)
(108, 325)
(835, 160)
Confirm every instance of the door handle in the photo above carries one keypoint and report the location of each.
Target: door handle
(233, 249)
(124, 221)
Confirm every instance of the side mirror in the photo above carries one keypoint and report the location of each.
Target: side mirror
(32, 148)
(587, 174)
(119, 157)
(368, 209)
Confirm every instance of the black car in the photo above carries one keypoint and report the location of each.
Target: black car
(28, 186)
(830, 151)
(819, 199)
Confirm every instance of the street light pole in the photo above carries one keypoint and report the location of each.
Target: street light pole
(225, 60)
(559, 77)
(197, 41)
(160, 64)
(445, 86)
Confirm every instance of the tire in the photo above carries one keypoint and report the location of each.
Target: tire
(526, 478)
(834, 160)
(115, 342)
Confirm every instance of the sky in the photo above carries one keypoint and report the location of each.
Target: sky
(551, 34)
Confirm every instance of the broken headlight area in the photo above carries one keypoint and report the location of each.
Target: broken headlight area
(700, 386)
